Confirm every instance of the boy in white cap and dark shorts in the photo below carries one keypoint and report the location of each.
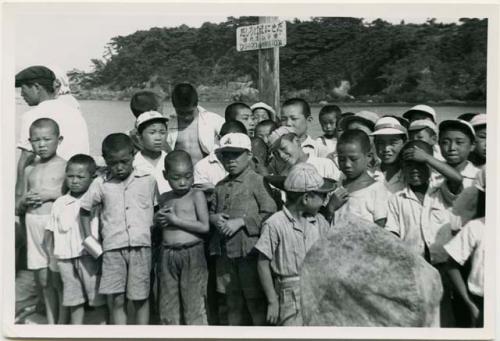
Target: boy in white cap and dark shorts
(286, 238)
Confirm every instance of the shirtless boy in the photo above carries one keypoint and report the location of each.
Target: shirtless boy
(44, 184)
(183, 217)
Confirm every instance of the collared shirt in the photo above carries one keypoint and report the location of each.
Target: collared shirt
(127, 208)
(421, 226)
(326, 146)
(145, 166)
(396, 183)
(209, 125)
(285, 241)
(209, 170)
(369, 203)
(469, 242)
(309, 146)
(65, 224)
(244, 196)
(72, 127)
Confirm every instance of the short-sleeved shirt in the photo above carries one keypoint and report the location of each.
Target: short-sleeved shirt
(421, 225)
(309, 146)
(469, 242)
(244, 196)
(144, 165)
(65, 224)
(396, 183)
(469, 174)
(369, 203)
(72, 127)
(209, 170)
(127, 208)
(285, 241)
(325, 146)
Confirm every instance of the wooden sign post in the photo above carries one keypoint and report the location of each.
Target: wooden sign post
(267, 37)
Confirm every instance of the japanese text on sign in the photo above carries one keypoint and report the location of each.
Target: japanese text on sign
(262, 36)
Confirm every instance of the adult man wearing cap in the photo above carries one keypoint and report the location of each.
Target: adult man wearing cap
(286, 238)
(478, 155)
(420, 112)
(37, 89)
(193, 129)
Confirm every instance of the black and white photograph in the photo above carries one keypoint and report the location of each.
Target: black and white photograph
(177, 169)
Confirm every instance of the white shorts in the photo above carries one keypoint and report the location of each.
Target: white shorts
(35, 229)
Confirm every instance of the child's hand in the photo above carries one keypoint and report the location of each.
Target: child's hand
(273, 309)
(474, 314)
(165, 216)
(339, 198)
(219, 220)
(32, 199)
(415, 154)
(232, 226)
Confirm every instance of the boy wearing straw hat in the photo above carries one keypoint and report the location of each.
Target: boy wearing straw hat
(286, 238)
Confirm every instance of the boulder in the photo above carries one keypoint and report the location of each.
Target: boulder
(360, 275)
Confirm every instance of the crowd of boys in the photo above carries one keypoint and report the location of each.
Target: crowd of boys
(215, 232)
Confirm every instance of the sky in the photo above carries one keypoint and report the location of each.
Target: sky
(70, 37)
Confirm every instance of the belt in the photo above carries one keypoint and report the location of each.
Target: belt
(182, 246)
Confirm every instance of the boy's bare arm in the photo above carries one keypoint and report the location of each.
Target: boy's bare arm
(461, 287)
(201, 224)
(85, 218)
(266, 279)
(24, 160)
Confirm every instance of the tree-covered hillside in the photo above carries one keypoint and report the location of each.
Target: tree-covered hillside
(375, 61)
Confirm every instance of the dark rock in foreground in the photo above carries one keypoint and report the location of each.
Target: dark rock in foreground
(362, 275)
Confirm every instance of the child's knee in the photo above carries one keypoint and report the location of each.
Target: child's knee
(41, 277)
(118, 300)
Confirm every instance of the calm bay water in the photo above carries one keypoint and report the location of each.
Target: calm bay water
(106, 117)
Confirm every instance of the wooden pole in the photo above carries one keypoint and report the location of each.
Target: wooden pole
(269, 72)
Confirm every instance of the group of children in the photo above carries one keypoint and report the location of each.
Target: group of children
(153, 234)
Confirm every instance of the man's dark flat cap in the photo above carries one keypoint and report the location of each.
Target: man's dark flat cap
(34, 73)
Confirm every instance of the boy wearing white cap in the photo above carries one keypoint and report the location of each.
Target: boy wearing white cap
(286, 238)
(478, 155)
(152, 133)
(261, 112)
(427, 131)
(420, 112)
(241, 202)
(390, 137)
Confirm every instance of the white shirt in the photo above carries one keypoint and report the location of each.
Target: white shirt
(325, 146)
(140, 163)
(209, 170)
(309, 146)
(65, 224)
(396, 183)
(209, 125)
(369, 203)
(72, 127)
(469, 243)
(421, 225)
(469, 174)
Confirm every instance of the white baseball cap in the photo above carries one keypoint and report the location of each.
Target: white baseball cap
(235, 141)
(148, 116)
(421, 124)
(262, 105)
(421, 108)
(478, 120)
(388, 126)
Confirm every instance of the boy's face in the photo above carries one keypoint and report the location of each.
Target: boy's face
(120, 163)
(288, 151)
(245, 116)
(78, 178)
(352, 160)
(186, 113)
(30, 94)
(293, 117)
(235, 161)
(455, 146)
(44, 142)
(260, 115)
(480, 148)
(416, 173)
(423, 135)
(263, 132)
(153, 136)
(328, 124)
(180, 176)
(416, 115)
(388, 147)
(313, 202)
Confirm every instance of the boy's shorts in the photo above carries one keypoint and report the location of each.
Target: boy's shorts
(35, 229)
(80, 277)
(127, 270)
(290, 313)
